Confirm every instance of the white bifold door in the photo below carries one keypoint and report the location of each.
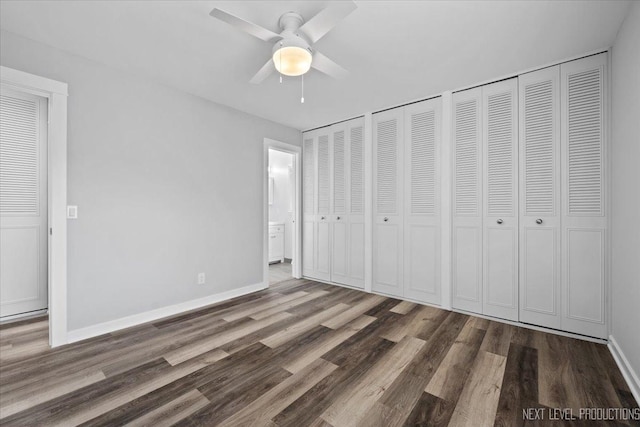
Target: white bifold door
(485, 204)
(333, 203)
(23, 203)
(347, 203)
(584, 205)
(316, 233)
(407, 226)
(563, 266)
(540, 261)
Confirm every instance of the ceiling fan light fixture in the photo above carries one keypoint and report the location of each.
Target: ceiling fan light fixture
(292, 60)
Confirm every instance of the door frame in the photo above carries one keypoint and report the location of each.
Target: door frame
(56, 94)
(296, 270)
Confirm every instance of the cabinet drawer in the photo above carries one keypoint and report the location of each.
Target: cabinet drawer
(276, 229)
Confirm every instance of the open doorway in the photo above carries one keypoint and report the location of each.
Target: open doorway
(282, 235)
(281, 201)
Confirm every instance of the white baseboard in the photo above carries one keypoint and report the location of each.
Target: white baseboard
(625, 367)
(158, 313)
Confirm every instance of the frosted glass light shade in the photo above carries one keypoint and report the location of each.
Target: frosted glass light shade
(292, 60)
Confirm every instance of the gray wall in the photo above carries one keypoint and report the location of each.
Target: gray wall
(626, 196)
(167, 185)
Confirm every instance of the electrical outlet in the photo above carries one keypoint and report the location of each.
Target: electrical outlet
(201, 278)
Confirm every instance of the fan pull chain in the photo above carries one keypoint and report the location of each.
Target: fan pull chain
(302, 97)
(280, 58)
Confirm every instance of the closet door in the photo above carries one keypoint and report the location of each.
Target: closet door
(308, 203)
(422, 201)
(467, 201)
(322, 236)
(583, 195)
(500, 223)
(338, 218)
(387, 189)
(355, 202)
(539, 95)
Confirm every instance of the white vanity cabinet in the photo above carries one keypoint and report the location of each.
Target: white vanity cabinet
(276, 242)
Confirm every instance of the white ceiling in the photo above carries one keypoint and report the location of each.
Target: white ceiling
(396, 51)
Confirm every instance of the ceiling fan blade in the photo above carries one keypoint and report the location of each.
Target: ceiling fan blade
(316, 27)
(263, 73)
(327, 66)
(246, 26)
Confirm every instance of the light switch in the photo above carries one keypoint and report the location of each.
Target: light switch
(72, 212)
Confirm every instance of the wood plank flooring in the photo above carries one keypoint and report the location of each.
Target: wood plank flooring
(304, 353)
(279, 271)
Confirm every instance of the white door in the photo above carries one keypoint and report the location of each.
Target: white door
(467, 201)
(584, 219)
(340, 232)
(355, 254)
(322, 238)
(422, 201)
(500, 219)
(539, 99)
(387, 201)
(23, 203)
(308, 203)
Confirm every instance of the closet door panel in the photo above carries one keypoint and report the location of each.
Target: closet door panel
(467, 201)
(339, 253)
(339, 220)
(500, 272)
(387, 231)
(322, 224)
(308, 204)
(467, 261)
(422, 281)
(539, 101)
(356, 254)
(583, 183)
(422, 201)
(539, 284)
(355, 201)
(500, 230)
(387, 270)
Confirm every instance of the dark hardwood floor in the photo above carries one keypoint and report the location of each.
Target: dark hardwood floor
(306, 354)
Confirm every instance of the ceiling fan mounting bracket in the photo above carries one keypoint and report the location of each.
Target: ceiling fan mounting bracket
(290, 21)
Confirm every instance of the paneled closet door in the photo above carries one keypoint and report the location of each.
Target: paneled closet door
(322, 236)
(338, 218)
(422, 201)
(387, 201)
(500, 223)
(355, 202)
(467, 200)
(308, 203)
(583, 195)
(539, 96)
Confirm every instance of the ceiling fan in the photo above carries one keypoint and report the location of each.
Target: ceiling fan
(292, 53)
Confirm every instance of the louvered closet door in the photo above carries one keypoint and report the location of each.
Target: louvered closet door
(340, 237)
(322, 237)
(23, 203)
(467, 201)
(583, 195)
(355, 202)
(422, 201)
(500, 223)
(387, 200)
(308, 203)
(539, 95)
